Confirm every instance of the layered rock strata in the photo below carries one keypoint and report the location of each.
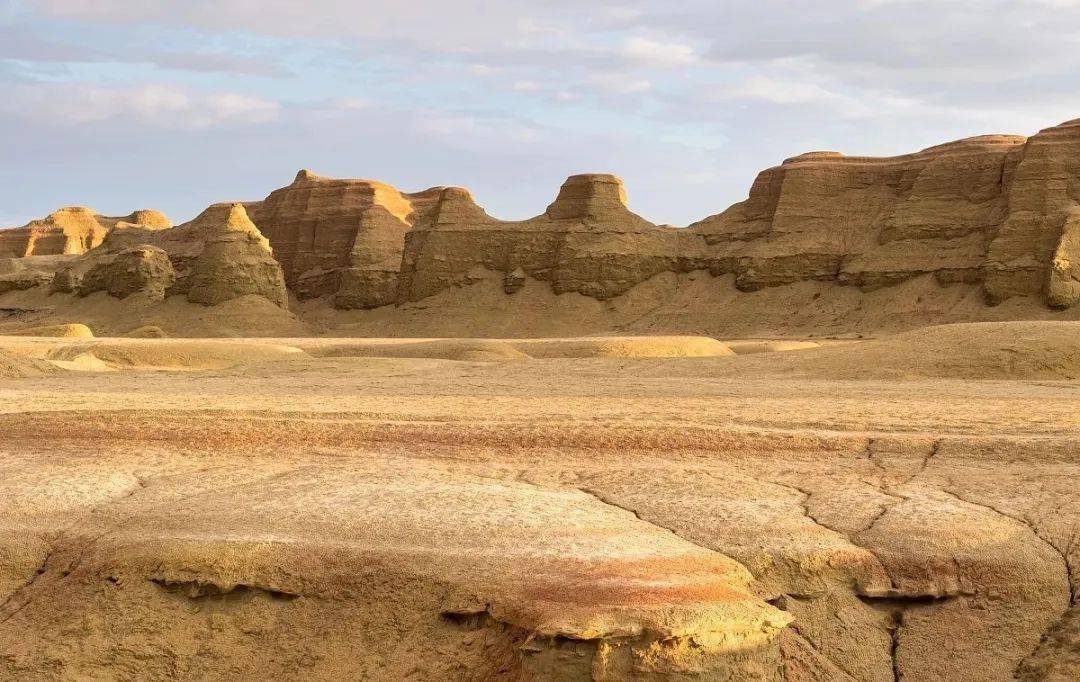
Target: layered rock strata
(71, 230)
(236, 259)
(340, 238)
(998, 212)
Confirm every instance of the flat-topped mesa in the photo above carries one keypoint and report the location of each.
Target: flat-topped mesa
(317, 224)
(588, 197)
(868, 222)
(71, 231)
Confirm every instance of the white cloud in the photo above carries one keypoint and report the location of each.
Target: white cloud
(156, 105)
(617, 84)
(655, 53)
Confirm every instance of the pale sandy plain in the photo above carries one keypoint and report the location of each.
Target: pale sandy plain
(896, 508)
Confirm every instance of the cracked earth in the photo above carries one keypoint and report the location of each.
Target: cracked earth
(375, 518)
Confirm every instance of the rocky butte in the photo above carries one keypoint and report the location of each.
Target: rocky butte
(995, 212)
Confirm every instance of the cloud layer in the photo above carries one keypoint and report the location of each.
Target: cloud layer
(119, 103)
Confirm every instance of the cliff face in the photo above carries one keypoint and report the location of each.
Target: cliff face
(71, 230)
(340, 237)
(587, 241)
(233, 258)
(998, 212)
(868, 222)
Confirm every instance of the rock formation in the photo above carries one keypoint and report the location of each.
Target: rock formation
(71, 230)
(236, 260)
(340, 237)
(587, 241)
(1001, 213)
(996, 210)
(121, 272)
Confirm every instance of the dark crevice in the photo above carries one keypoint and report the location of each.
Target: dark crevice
(201, 590)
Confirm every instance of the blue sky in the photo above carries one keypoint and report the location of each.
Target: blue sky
(174, 105)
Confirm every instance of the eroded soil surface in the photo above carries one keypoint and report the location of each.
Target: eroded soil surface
(305, 515)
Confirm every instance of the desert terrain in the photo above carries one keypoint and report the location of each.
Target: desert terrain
(349, 432)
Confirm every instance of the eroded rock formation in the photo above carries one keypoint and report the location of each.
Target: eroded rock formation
(236, 260)
(340, 237)
(587, 241)
(71, 230)
(997, 212)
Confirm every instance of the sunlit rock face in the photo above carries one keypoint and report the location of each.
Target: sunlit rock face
(996, 213)
(72, 230)
(340, 238)
(236, 260)
(587, 241)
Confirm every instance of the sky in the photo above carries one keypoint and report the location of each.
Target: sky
(120, 104)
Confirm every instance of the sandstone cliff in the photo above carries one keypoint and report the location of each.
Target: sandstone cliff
(587, 241)
(997, 215)
(340, 237)
(998, 211)
(235, 259)
(71, 230)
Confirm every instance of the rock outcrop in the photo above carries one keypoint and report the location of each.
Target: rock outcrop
(1000, 213)
(340, 238)
(121, 272)
(996, 211)
(72, 230)
(236, 259)
(867, 222)
(587, 241)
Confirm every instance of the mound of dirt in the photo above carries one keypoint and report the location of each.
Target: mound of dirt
(752, 346)
(625, 347)
(13, 366)
(63, 331)
(172, 354)
(149, 331)
(470, 350)
(516, 349)
(983, 350)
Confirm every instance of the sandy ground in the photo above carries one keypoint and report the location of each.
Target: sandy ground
(300, 508)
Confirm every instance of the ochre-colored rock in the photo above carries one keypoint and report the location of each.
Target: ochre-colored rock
(994, 211)
(1044, 191)
(236, 260)
(340, 237)
(71, 230)
(120, 271)
(867, 222)
(587, 241)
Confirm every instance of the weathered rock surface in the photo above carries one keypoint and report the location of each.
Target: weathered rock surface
(732, 518)
(996, 214)
(587, 241)
(121, 273)
(997, 210)
(71, 230)
(1044, 195)
(236, 259)
(340, 237)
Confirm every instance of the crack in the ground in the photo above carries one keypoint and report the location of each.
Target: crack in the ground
(1064, 552)
(894, 649)
(23, 592)
(600, 497)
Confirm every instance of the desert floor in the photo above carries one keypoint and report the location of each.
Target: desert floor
(364, 509)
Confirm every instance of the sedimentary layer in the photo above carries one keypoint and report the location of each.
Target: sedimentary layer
(997, 214)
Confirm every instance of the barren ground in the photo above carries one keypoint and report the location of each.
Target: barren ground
(298, 508)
